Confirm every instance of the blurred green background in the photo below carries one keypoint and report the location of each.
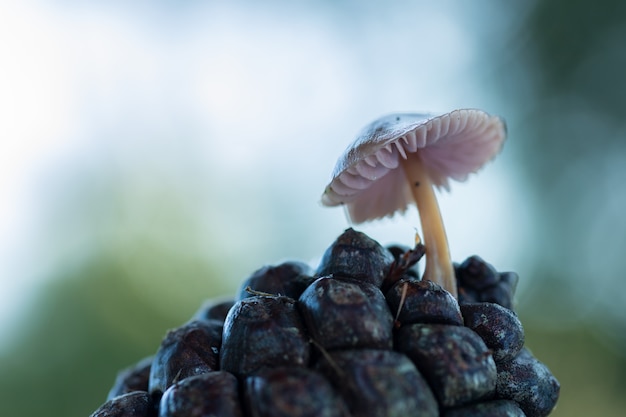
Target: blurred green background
(154, 154)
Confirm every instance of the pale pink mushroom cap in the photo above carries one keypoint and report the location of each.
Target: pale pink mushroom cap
(369, 180)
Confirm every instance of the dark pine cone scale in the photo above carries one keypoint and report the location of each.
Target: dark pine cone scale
(359, 336)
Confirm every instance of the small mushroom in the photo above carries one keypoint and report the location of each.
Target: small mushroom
(398, 160)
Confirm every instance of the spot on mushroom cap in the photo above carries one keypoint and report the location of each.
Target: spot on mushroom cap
(369, 179)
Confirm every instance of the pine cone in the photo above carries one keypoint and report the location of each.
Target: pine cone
(361, 336)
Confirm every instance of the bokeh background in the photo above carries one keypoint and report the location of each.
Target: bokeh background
(154, 154)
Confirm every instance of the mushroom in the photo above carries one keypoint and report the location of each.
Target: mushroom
(398, 159)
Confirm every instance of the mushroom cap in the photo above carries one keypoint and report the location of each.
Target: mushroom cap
(368, 178)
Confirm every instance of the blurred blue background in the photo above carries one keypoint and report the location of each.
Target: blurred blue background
(154, 154)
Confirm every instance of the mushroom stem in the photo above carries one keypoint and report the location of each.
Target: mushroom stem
(439, 267)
